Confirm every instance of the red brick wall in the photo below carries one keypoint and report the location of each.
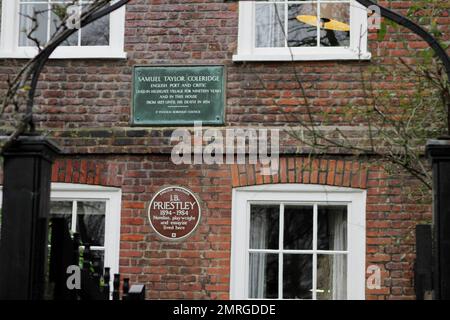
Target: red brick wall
(342, 173)
(198, 267)
(96, 93)
(85, 105)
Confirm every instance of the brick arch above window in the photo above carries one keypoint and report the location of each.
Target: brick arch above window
(333, 172)
(87, 171)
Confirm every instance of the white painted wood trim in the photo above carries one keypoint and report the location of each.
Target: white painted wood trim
(112, 197)
(305, 194)
(9, 39)
(248, 52)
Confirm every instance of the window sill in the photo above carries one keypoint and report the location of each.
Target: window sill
(66, 53)
(302, 57)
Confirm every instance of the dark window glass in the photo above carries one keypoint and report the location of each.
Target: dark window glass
(91, 222)
(269, 25)
(335, 24)
(96, 33)
(298, 227)
(332, 228)
(263, 275)
(302, 25)
(297, 276)
(264, 227)
(62, 209)
(331, 276)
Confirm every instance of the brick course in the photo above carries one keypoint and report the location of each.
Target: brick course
(198, 268)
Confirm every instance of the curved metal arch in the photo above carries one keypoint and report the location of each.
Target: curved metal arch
(421, 32)
(414, 27)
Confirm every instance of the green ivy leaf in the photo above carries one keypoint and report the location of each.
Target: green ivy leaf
(382, 31)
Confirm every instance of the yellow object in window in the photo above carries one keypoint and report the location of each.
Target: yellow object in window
(325, 23)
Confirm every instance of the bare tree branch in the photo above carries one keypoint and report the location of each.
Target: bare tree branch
(28, 76)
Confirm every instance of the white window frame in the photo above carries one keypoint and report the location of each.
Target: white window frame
(112, 197)
(247, 51)
(9, 40)
(298, 194)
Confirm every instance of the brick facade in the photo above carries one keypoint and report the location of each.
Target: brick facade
(199, 267)
(85, 106)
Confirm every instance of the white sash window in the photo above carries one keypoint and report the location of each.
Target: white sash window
(298, 242)
(94, 213)
(103, 38)
(302, 30)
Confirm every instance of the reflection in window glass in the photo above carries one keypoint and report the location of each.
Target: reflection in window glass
(62, 209)
(311, 253)
(96, 33)
(332, 228)
(335, 24)
(297, 276)
(40, 20)
(264, 227)
(304, 20)
(269, 25)
(55, 22)
(331, 277)
(98, 259)
(263, 276)
(91, 222)
(302, 25)
(34, 16)
(298, 227)
(1, 18)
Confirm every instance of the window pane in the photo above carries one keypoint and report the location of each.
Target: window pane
(335, 24)
(332, 277)
(332, 228)
(263, 275)
(91, 222)
(58, 9)
(96, 33)
(62, 209)
(29, 12)
(298, 227)
(264, 226)
(98, 260)
(269, 25)
(297, 276)
(302, 25)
